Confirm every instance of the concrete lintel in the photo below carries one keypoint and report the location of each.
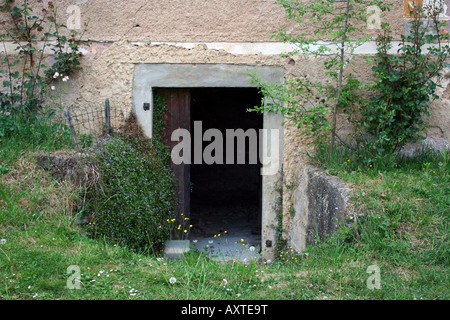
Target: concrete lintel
(202, 75)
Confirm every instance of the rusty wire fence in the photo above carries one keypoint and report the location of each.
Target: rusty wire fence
(89, 123)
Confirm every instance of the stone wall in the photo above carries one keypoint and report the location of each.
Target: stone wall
(321, 203)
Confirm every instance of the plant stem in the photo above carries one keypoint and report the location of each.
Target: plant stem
(8, 63)
(340, 80)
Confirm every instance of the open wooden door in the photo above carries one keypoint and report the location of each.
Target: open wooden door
(178, 116)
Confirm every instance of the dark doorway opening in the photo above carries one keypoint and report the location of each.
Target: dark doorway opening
(226, 198)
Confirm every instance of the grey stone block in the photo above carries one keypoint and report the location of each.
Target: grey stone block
(434, 144)
(175, 249)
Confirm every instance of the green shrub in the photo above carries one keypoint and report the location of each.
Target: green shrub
(6, 125)
(85, 140)
(136, 196)
(406, 85)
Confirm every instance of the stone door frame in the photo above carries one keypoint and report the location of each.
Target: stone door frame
(150, 76)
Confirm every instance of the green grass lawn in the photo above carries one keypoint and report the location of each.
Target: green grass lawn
(404, 233)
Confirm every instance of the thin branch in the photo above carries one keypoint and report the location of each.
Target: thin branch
(344, 143)
(341, 73)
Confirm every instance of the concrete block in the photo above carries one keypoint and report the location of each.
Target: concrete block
(175, 249)
(321, 204)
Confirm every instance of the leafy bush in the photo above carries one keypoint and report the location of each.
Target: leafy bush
(6, 125)
(26, 122)
(134, 204)
(312, 104)
(136, 197)
(406, 85)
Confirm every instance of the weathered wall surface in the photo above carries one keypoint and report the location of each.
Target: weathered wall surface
(321, 204)
(185, 20)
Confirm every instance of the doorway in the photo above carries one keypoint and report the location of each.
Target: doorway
(221, 199)
(148, 77)
(226, 198)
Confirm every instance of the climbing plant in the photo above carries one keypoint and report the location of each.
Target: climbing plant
(26, 78)
(30, 32)
(337, 30)
(405, 83)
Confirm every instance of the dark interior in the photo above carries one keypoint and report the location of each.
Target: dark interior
(225, 197)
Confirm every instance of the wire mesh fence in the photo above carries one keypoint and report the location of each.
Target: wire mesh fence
(88, 124)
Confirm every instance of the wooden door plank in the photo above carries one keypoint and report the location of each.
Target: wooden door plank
(178, 116)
